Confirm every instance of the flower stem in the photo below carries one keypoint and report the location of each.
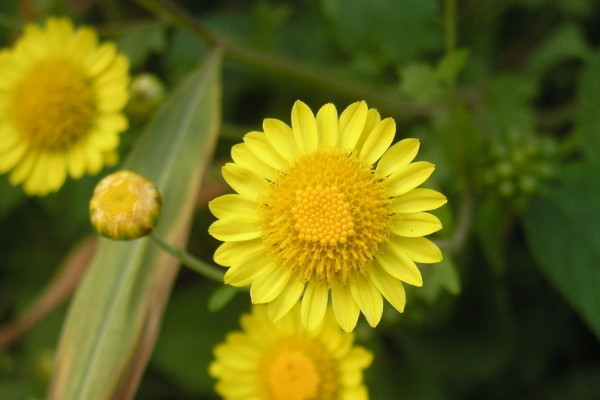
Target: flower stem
(189, 260)
(273, 66)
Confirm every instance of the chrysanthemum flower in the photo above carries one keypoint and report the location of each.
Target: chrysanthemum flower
(326, 208)
(284, 361)
(61, 96)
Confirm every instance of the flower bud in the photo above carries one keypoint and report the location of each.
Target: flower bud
(146, 94)
(125, 206)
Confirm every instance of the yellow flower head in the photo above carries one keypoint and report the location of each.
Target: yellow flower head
(125, 206)
(284, 361)
(61, 96)
(326, 208)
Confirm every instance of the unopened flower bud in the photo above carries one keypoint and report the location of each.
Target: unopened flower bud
(146, 94)
(125, 206)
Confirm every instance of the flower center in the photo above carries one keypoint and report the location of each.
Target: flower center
(326, 216)
(53, 105)
(322, 215)
(299, 369)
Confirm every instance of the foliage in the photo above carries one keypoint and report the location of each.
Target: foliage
(514, 309)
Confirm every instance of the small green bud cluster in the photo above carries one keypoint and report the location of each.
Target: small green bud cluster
(519, 165)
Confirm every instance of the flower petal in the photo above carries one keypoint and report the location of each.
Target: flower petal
(398, 264)
(368, 299)
(287, 299)
(378, 141)
(391, 288)
(244, 274)
(344, 307)
(304, 127)
(269, 283)
(399, 155)
(233, 205)
(409, 177)
(236, 229)
(241, 155)
(235, 253)
(352, 122)
(259, 146)
(419, 249)
(281, 137)
(243, 180)
(327, 125)
(416, 224)
(418, 199)
(314, 305)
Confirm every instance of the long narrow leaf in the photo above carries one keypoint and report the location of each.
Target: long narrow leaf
(113, 321)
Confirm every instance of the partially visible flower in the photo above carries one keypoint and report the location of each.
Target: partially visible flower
(61, 97)
(283, 361)
(125, 206)
(325, 210)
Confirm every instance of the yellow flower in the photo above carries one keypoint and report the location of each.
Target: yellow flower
(61, 96)
(283, 361)
(125, 206)
(314, 216)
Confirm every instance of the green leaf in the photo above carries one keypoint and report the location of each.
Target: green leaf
(566, 42)
(588, 118)
(221, 297)
(450, 65)
(115, 316)
(419, 82)
(563, 234)
(393, 30)
(139, 41)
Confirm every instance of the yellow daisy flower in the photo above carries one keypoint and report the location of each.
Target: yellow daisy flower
(61, 96)
(284, 361)
(326, 208)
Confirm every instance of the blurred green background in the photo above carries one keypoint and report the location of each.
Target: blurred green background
(503, 96)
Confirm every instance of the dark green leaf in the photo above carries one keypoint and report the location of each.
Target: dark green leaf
(563, 233)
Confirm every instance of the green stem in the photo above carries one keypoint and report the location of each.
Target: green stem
(385, 99)
(208, 270)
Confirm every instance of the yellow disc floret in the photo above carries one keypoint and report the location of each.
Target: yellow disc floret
(326, 216)
(125, 206)
(53, 105)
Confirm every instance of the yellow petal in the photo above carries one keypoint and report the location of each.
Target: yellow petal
(378, 141)
(368, 299)
(418, 199)
(242, 156)
(259, 146)
(314, 304)
(398, 264)
(12, 157)
(235, 253)
(304, 127)
(357, 358)
(287, 299)
(399, 155)
(281, 138)
(243, 180)
(409, 177)
(419, 249)
(240, 275)
(327, 125)
(391, 288)
(101, 59)
(416, 224)
(373, 118)
(76, 162)
(344, 307)
(269, 283)
(230, 205)
(352, 122)
(236, 229)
